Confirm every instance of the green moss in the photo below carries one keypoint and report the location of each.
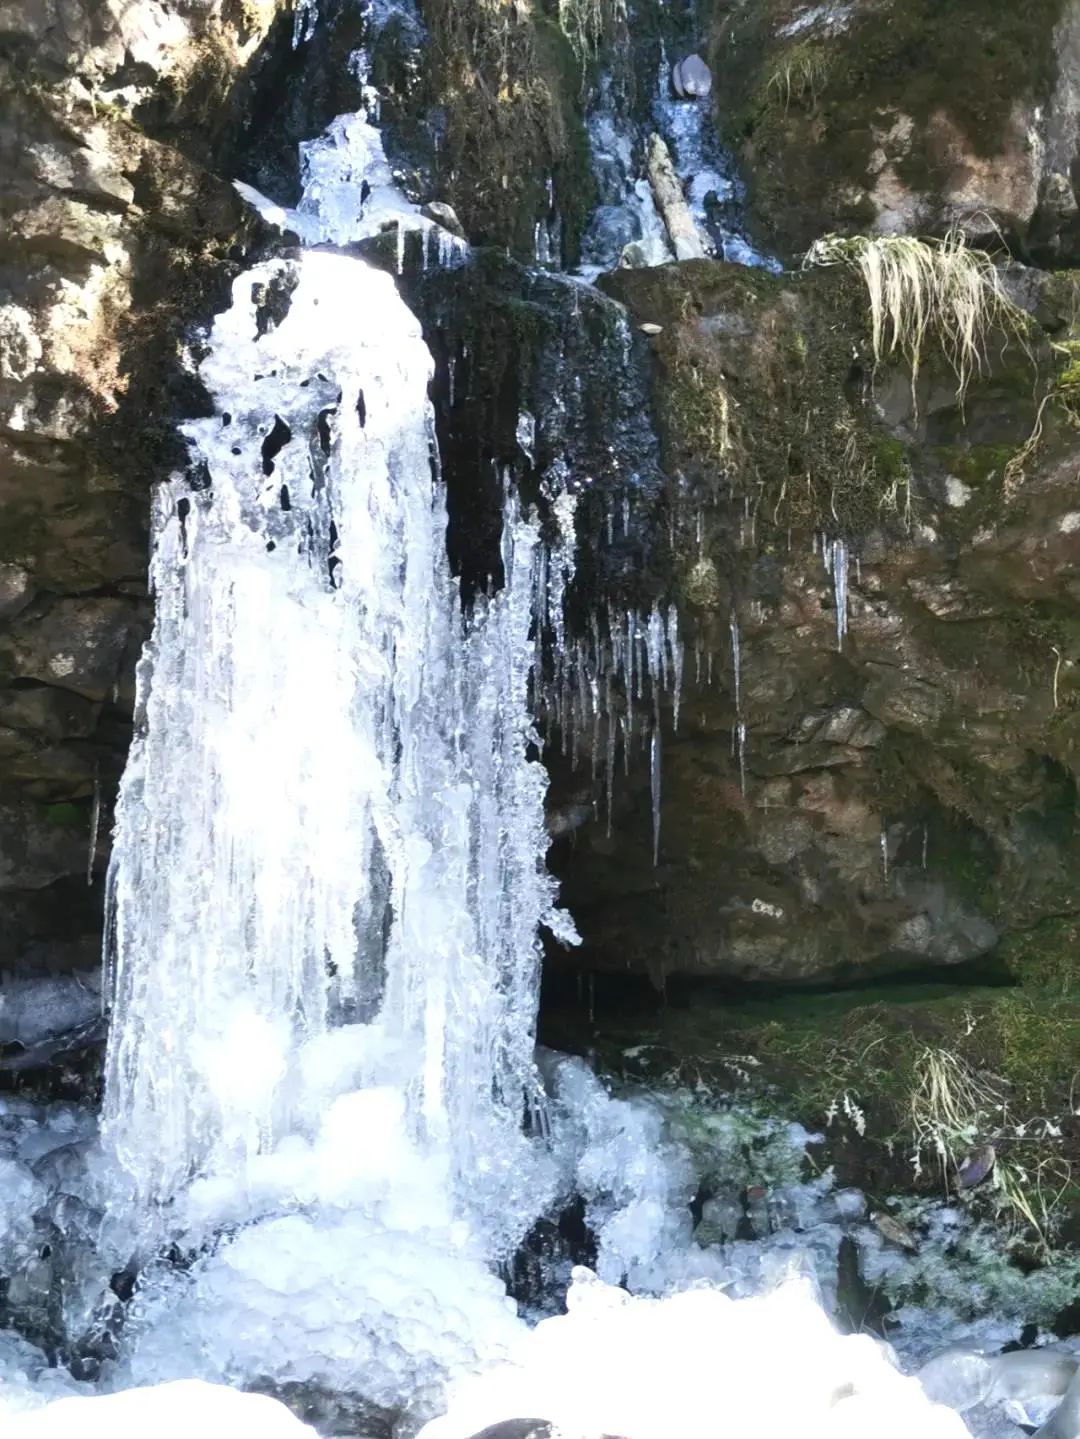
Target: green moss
(1046, 958)
(65, 816)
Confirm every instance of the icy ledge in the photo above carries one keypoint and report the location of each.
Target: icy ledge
(166, 1411)
(698, 1363)
(695, 1363)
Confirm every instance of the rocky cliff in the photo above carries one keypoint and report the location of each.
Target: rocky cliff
(839, 801)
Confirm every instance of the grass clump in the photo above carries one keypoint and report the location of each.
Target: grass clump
(952, 1107)
(1062, 398)
(923, 291)
(797, 77)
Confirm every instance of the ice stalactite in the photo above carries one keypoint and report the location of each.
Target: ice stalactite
(835, 557)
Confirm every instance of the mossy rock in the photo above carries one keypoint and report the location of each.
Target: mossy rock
(763, 387)
(514, 153)
(913, 106)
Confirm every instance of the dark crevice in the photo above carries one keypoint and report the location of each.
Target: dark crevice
(274, 443)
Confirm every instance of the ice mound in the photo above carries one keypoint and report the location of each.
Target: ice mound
(167, 1411)
(698, 1363)
(27, 1380)
(337, 1303)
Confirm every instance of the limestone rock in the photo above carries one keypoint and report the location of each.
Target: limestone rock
(890, 802)
(116, 243)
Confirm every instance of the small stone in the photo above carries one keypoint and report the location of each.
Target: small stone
(634, 256)
(893, 1232)
(649, 328)
(691, 78)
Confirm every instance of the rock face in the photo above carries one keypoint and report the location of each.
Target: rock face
(115, 243)
(839, 801)
(903, 117)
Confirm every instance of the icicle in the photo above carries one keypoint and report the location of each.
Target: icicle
(526, 434)
(736, 662)
(628, 660)
(840, 589)
(885, 853)
(654, 786)
(609, 766)
(655, 657)
(675, 646)
(305, 19)
(925, 842)
(400, 248)
(95, 822)
(740, 739)
(451, 367)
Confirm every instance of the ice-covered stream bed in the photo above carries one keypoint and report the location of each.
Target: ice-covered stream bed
(365, 1305)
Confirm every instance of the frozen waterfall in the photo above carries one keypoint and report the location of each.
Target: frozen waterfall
(329, 817)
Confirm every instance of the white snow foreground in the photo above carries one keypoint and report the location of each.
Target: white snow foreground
(698, 1363)
(180, 1410)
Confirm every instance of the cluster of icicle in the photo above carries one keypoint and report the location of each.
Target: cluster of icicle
(603, 691)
